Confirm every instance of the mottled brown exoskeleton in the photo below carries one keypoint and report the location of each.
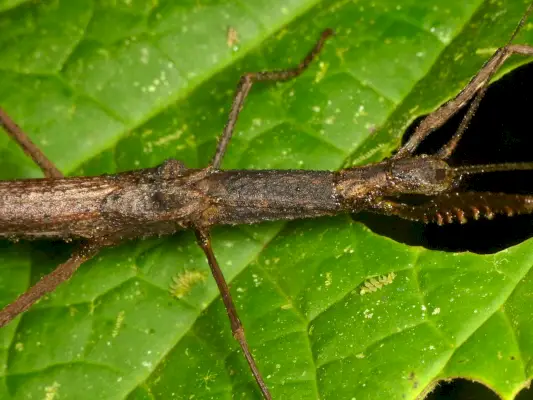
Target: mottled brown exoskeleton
(106, 210)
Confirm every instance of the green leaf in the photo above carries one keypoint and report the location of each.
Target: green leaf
(105, 86)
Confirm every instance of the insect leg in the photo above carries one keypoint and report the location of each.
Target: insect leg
(204, 241)
(64, 271)
(48, 283)
(13, 130)
(475, 89)
(245, 84)
(459, 207)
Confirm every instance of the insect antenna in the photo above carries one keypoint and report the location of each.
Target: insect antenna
(486, 168)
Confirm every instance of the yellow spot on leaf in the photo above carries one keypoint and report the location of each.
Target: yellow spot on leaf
(339, 52)
(183, 283)
(323, 68)
(329, 280)
(232, 37)
(51, 391)
(118, 324)
(374, 284)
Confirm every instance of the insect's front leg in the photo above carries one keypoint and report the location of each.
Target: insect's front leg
(475, 90)
(458, 207)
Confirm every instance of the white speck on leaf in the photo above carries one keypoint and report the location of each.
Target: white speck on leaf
(145, 55)
(328, 279)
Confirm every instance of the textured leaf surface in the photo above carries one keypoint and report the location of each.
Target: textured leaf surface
(107, 86)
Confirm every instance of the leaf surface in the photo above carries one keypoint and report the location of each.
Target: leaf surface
(112, 86)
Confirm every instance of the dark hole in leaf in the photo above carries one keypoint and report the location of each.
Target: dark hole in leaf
(525, 394)
(462, 389)
(48, 255)
(500, 132)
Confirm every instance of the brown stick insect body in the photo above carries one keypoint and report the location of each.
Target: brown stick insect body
(108, 209)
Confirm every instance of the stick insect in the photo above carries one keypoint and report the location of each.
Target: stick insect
(402, 164)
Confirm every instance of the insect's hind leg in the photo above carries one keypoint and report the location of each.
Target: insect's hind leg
(204, 241)
(64, 271)
(48, 283)
(244, 86)
(13, 130)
